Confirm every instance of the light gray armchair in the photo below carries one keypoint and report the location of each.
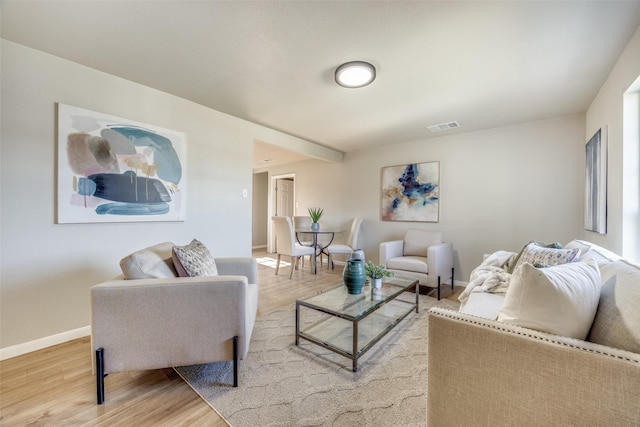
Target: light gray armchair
(164, 321)
(421, 255)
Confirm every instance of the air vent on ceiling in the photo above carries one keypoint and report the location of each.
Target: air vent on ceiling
(444, 126)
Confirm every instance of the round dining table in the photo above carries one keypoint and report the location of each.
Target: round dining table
(319, 245)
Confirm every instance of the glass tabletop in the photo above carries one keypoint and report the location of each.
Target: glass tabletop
(321, 231)
(338, 302)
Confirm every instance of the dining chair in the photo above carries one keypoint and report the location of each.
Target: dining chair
(286, 243)
(302, 223)
(346, 249)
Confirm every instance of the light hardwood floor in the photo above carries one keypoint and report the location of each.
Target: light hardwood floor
(55, 386)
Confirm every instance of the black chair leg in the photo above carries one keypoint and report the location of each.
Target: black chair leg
(451, 278)
(235, 361)
(100, 376)
(438, 288)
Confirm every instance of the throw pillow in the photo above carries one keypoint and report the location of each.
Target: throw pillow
(194, 259)
(560, 300)
(510, 266)
(533, 253)
(590, 250)
(153, 262)
(617, 322)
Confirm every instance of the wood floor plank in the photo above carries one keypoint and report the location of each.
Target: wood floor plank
(55, 386)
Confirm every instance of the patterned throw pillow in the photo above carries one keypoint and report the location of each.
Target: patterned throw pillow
(535, 254)
(511, 264)
(194, 259)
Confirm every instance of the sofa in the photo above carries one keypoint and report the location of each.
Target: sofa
(163, 312)
(496, 363)
(420, 255)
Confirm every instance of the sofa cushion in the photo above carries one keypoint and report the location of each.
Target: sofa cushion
(617, 321)
(535, 254)
(560, 300)
(483, 304)
(194, 259)
(153, 262)
(417, 241)
(408, 263)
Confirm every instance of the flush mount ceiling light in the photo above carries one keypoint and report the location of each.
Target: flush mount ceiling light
(355, 74)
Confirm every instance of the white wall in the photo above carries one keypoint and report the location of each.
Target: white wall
(607, 110)
(500, 188)
(260, 209)
(318, 183)
(47, 269)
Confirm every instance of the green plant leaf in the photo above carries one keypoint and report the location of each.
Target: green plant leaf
(315, 214)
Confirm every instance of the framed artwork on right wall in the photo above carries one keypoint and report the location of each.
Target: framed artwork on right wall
(595, 200)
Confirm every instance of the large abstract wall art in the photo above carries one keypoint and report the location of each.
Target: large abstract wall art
(411, 192)
(116, 170)
(595, 207)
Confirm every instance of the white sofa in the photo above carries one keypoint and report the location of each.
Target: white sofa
(160, 320)
(489, 372)
(420, 255)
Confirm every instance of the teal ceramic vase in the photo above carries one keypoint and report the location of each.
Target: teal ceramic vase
(315, 226)
(354, 276)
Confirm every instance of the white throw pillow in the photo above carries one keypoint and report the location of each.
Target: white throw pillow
(560, 300)
(153, 262)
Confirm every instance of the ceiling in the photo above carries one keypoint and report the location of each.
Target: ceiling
(483, 64)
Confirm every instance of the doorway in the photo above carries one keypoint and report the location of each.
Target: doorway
(283, 191)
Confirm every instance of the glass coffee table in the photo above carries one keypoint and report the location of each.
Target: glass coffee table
(351, 324)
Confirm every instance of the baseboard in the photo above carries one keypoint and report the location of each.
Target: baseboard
(39, 344)
(258, 247)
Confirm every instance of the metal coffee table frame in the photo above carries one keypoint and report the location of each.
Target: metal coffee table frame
(381, 306)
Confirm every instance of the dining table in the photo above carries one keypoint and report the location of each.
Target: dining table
(320, 245)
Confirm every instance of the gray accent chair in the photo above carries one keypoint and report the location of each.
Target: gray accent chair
(160, 321)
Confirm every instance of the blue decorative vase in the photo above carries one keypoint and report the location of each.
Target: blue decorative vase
(315, 226)
(354, 276)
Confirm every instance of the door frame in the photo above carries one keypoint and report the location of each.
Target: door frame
(271, 235)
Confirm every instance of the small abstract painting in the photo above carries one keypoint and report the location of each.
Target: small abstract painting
(115, 170)
(595, 207)
(411, 192)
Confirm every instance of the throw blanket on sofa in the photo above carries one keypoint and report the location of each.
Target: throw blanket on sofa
(490, 276)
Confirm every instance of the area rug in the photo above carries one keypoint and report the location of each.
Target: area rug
(282, 384)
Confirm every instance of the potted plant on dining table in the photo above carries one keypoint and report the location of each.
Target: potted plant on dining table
(376, 272)
(315, 214)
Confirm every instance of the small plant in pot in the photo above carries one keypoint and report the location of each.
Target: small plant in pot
(376, 272)
(315, 214)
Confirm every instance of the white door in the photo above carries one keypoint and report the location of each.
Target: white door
(282, 202)
(284, 197)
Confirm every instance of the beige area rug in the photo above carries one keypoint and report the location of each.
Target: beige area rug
(282, 384)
